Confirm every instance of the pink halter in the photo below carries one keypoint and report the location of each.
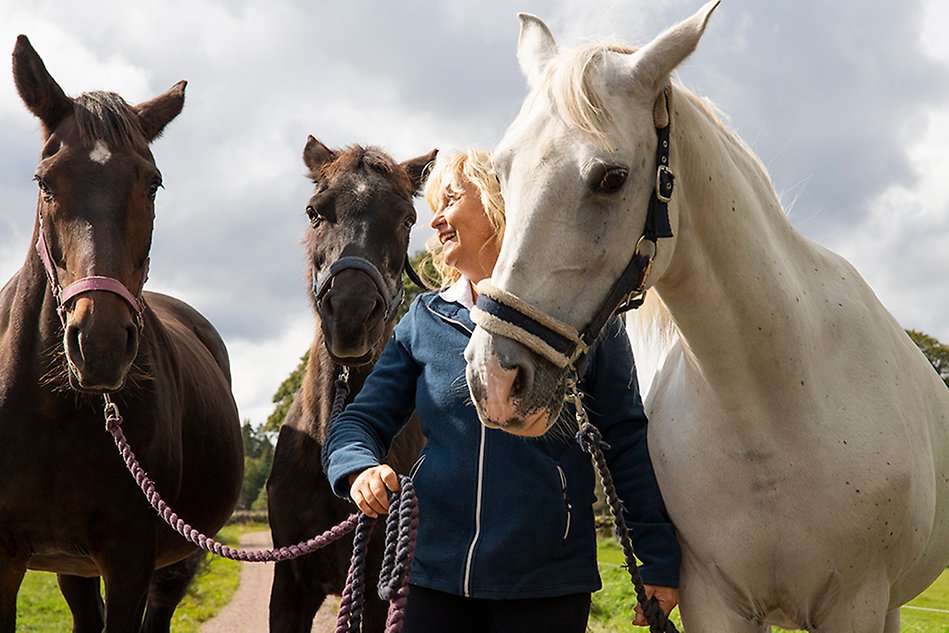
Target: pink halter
(86, 284)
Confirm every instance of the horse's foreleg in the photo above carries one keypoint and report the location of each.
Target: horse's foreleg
(704, 609)
(85, 602)
(169, 585)
(127, 572)
(11, 575)
(892, 621)
(295, 596)
(864, 611)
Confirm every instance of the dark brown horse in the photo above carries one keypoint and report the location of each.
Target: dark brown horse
(67, 503)
(360, 215)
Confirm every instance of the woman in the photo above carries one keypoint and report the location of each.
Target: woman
(506, 538)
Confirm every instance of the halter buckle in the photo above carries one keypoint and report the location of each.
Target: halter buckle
(664, 183)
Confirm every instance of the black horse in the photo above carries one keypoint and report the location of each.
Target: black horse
(360, 214)
(76, 324)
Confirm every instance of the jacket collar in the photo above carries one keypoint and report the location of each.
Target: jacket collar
(449, 309)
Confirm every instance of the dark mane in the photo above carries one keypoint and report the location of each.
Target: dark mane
(357, 157)
(107, 117)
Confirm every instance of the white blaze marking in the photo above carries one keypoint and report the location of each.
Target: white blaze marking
(100, 153)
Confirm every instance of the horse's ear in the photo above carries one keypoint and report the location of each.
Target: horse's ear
(655, 62)
(39, 91)
(315, 155)
(419, 167)
(535, 47)
(156, 113)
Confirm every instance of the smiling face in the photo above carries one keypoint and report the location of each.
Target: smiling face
(467, 237)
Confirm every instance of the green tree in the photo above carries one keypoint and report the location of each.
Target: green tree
(935, 352)
(283, 397)
(258, 458)
(422, 264)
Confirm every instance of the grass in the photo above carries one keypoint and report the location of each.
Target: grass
(612, 606)
(41, 608)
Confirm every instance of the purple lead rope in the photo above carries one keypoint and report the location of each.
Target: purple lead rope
(401, 528)
(113, 424)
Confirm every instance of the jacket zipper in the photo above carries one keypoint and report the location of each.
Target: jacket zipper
(469, 559)
(477, 534)
(568, 507)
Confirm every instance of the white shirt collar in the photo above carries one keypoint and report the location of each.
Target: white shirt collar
(459, 292)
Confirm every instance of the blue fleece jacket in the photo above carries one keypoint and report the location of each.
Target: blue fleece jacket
(502, 516)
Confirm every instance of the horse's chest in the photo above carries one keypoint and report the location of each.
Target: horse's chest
(62, 481)
(770, 504)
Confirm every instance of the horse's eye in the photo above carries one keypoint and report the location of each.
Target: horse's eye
(408, 223)
(46, 192)
(153, 190)
(314, 215)
(612, 180)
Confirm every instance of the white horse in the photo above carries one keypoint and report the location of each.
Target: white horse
(800, 439)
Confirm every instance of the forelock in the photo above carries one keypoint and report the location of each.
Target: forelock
(356, 158)
(105, 116)
(569, 87)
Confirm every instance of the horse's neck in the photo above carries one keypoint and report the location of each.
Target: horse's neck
(318, 391)
(29, 325)
(735, 284)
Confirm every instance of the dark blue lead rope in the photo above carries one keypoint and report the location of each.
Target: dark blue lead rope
(591, 441)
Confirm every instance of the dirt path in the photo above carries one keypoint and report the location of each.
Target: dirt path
(247, 611)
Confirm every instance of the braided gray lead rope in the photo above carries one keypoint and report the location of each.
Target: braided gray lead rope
(591, 441)
(401, 528)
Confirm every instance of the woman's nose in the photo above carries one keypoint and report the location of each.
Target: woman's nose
(438, 219)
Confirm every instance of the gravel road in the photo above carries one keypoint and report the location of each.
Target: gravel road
(247, 611)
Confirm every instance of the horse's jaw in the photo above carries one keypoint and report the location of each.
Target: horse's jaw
(510, 386)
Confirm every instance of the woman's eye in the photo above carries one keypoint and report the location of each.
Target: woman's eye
(313, 215)
(612, 180)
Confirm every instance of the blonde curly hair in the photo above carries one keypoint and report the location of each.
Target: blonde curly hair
(451, 171)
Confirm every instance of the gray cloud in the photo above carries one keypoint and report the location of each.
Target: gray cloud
(832, 96)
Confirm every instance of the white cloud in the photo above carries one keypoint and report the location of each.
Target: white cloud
(825, 101)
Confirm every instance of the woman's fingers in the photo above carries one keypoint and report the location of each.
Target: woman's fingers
(370, 489)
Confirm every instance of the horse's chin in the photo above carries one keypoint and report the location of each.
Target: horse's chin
(83, 384)
(532, 425)
(355, 355)
(351, 360)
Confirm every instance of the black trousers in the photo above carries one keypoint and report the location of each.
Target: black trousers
(430, 611)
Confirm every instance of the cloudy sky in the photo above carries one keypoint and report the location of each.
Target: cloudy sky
(846, 102)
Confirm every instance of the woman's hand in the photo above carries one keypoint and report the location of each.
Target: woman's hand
(668, 597)
(370, 489)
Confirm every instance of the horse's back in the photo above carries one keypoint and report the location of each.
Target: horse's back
(188, 326)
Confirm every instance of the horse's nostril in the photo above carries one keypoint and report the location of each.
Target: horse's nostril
(326, 308)
(377, 311)
(73, 344)
(523, 378)
(131, 341)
